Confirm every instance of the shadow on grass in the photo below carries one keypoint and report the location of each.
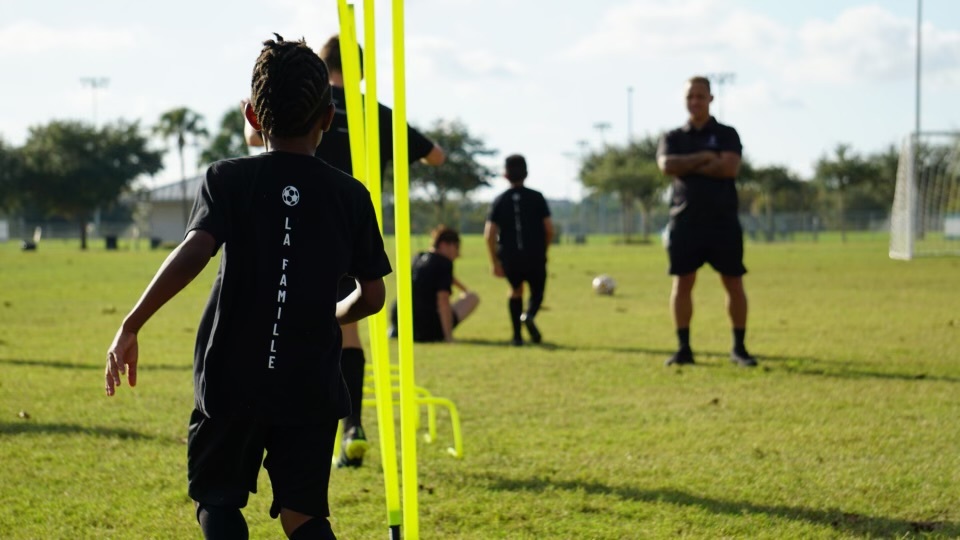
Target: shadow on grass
(846, 522)
(546, 345)
(32, 428)
(799, 365)
(59, 364)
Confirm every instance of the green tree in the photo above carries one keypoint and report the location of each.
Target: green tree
(838, 175)
(229, 142)
(767, 185)
(11, 174)
(462, 171)
(631, 174)
(70, 168)
(181, 124)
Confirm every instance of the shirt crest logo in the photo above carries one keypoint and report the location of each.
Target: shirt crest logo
(290, 196)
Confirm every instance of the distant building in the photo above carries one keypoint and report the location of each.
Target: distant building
(167, 204)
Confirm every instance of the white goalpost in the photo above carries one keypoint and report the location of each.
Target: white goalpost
(925, 218)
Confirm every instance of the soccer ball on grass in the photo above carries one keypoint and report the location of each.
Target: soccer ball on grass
(604, 284)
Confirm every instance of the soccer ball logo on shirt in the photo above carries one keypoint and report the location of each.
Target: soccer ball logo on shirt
(290, 196)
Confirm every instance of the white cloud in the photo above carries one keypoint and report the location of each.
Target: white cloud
(442, 58)
(27, 37)
(654, 29)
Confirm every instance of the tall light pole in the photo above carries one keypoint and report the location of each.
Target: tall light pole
(602, 127)
(95, 83)
(718, 80)
(629, 114)
(916, 112)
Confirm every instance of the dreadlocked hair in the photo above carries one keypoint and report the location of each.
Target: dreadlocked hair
(290, 88)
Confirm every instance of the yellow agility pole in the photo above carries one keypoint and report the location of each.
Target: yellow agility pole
(367, 163)
(409, 409)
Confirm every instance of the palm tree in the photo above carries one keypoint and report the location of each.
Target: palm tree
(181, 123)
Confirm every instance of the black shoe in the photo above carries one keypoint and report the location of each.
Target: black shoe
(392, 332)
(742, 358)
(531, 328)
(353, 448)
(683, 357)
(516, 342)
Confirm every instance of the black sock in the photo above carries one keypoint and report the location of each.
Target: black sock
(351, 364)
(516, 308)
(739, 334)
(218, 523)
(683, 338)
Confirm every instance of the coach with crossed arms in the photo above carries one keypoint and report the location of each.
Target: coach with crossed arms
(703, 157)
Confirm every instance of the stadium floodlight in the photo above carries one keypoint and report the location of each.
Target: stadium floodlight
(925, 218)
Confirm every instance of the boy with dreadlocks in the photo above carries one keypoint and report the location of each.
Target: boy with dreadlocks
(335, 150)
(267, 371)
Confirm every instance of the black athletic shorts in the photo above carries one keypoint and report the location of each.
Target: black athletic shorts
(718, 242)
(517, 271)
(224, 456)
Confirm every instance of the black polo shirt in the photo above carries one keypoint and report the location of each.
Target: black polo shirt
(335, 145)
(697, 192)
(431, 274)
(291, 226)
(519, 213)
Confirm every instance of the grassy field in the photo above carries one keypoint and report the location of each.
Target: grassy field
(849, 429)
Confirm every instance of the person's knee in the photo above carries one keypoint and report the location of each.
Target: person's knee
(220, 522)
(351, 336)
(313, 529)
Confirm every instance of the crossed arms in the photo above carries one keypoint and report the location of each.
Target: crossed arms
(706, 162)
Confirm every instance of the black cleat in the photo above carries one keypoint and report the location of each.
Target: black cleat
(354, 447)
(531, 328)
(683, 357)
(742, 358)
(516, 342)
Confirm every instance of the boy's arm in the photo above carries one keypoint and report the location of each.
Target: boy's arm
(548, 232)
(460, 285)
(446, 315)
(435, 157)
(366, 300)
(490, 232)
(182, 265)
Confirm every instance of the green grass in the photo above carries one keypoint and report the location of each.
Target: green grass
(847, 430)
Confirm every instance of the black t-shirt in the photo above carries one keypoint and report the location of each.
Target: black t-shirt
(291, 226)
(431, 274)
(696, 192)
(335, 145)
(519, 213)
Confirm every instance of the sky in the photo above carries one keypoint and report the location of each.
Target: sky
(535, 77)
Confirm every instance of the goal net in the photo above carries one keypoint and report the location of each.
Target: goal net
(925, 219)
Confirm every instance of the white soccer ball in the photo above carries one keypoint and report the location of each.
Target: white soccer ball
(604, 284)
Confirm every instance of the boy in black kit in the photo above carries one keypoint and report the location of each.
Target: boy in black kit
(335, 150)
(518, 232)
(267, 362)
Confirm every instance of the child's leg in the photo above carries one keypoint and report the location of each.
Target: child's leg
(537, 279)
(221, 523)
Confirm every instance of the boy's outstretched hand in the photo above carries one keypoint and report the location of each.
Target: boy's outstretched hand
(121, 358)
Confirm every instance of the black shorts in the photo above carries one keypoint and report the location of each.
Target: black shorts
(518, 271)
(718, 242)
(224, 456)
(429, 328)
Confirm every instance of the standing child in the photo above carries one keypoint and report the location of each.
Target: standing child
(335, 150)
(518, 232)
(267, 372)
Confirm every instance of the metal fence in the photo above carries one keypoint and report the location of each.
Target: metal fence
(572, 220)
